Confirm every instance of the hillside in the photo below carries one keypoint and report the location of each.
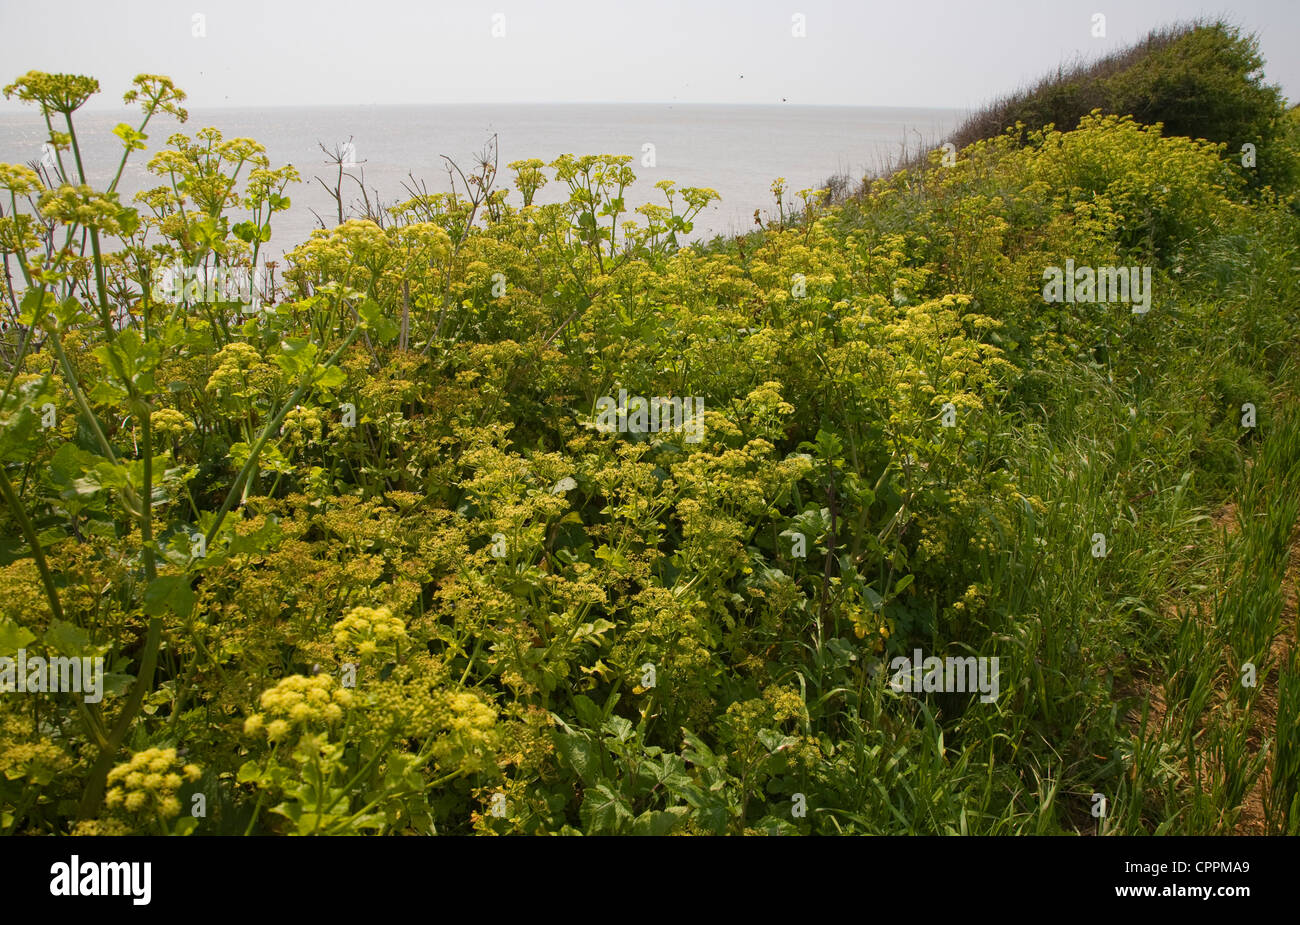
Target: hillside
(898, 516)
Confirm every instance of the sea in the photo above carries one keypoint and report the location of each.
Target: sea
(736, 150)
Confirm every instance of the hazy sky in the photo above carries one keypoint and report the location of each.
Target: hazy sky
(957, 53)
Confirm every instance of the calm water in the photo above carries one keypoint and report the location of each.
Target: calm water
(736, 150)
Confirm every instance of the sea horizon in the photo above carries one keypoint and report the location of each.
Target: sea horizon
(737, 149)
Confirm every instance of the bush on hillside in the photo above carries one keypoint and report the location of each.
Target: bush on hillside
(1198, 80)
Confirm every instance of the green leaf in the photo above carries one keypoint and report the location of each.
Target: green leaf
(658, 822)
(581, 754)
(34, 304)
(52, 536)
(67, 638)
(117, 684)
(587, 712)
(615, 558)
(842, 650)
(329, 377)
(20, 420)
(130, 358)
(67, 467)
(774, 741)
(374, 321)
(696, 752)
(13, 637)
(297, 355)
(129, 219)
(603, 811)
(618, 727)
(132, 139)
(169, 593)
(69, 311)
(596, 628)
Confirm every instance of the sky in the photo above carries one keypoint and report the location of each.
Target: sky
(940, 53)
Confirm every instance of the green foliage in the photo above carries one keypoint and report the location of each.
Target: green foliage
(1201, 80)
(365, 552)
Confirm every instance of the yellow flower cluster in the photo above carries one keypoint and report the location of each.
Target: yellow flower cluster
(424, 238)
(263, 182)
(298, 701)
(462, 724)
(16, 234)
(233, 362)
(81, 205)
(368, 628)
(27, 754)
(63, 93)
(101, 827)
(785, 703)
(20, 598)
(149, 782)
(302, 424)
(171, 422)
(972, 601)
(356, 241)
(19, 179)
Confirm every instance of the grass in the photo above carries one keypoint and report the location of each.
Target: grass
(505, 579)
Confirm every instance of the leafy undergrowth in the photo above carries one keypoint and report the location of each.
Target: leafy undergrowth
(384, 556)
